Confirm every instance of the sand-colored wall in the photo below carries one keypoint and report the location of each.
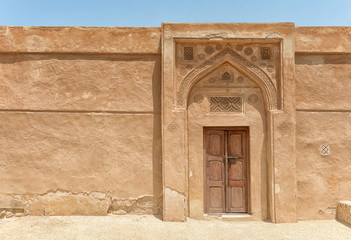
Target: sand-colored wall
(80, 120)
(323, 93)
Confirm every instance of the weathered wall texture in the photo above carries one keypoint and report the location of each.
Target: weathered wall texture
(323, 92)
(80, 120)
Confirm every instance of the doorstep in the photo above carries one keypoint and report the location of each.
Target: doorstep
(231, 217)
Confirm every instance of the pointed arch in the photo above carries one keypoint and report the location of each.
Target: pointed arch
(253, 72)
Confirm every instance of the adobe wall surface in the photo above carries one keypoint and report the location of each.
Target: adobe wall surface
(323, 91)
(80, 120)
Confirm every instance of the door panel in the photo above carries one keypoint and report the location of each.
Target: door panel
(234, 143)
(215, 197)
(237, 196)
(226, 162)
(215, 171)
(237, 172)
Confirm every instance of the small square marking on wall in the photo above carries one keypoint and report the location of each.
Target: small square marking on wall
(325, 151)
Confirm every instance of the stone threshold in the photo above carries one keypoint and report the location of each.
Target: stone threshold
(231, 216)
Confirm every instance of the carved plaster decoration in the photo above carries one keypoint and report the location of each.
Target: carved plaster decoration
(265, 53)
(188, 53)
(240, 79)
(226, 104)
(202, 56)
(243, 61)
(239, 47)
(252, 99)
(285, 128)
(325, 151)
(248, 51)
(209, 50)
(173, 126)
(198, 98)
(218, 47)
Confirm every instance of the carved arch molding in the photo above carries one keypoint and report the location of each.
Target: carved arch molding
(259, 61)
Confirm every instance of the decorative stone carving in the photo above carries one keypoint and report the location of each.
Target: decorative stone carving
(226, 76)
(188, 53)
(253, 58)
(209, 50)
(285, 128)
(198, 98)
(265, 53)
(183, 71)
(270, 68)
(212, 80)
(189, 66)
(239, 47)
(268, 85)
(325, 151)
(248, 51)
(252, 99)
(201, 56)
(226, 104)
(173, 126)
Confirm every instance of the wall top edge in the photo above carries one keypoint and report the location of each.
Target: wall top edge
(80, 39)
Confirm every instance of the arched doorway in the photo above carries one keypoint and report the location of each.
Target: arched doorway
(190, 54)
(227, 116)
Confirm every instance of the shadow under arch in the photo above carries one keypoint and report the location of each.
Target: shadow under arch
(254, 73)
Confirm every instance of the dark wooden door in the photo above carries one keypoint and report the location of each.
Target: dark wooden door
(226, 160)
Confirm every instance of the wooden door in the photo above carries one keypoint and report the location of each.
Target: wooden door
(226, 162)
(215, 171)
(236, 189)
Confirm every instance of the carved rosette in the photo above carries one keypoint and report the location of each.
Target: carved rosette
(260, 61)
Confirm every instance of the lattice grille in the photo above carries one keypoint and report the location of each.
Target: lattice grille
(226, 104)
(188, 53)
(265, 53)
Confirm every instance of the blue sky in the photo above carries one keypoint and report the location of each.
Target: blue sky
(151, 13)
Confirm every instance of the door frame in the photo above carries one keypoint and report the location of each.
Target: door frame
(248, 195)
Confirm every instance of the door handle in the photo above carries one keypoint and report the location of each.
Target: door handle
(230, 158)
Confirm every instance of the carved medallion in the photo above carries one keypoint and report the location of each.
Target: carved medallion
(252, 99)
(201, 56)
(239, 47)
(209, 50)
(248, 51)
(198, 98)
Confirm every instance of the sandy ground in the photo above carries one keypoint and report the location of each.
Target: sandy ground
(150, 227)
